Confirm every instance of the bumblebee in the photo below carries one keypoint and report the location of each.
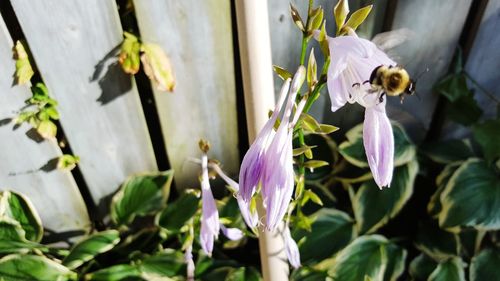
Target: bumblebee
(392, 81)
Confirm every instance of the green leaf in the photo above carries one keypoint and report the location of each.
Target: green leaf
(244, 274)
(15, 207)
(310, 125)
(313, 164)
(296, 17)
(354, 152)
(437, 243)
(470, 241)
(24, 71)
(323, 42)
(167, 263)
(312, 70)
(453, 87)
(421, 267)
(485, 266)
(34, 268)
(331, 231)
(373, 207)
(364, 257)
(115, 273)
(448, 151)
(465, 110)
(67, 162)
(396, 262)
(358, 17)
(9, 245)
(47, 129)
(471, 197)
(157, 67)
(487, 134)
(303, 149)
(90, 247)
(307, 274)
(129, 54)
(282, 73)
(171, 219)
(11, 230)
(340, 13)
(434, 206)
(141, 195)
(316, 19)
(450, 270)
(310, 195)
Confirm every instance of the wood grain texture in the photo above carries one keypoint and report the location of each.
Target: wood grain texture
(437, 26)
(483, 63)
(53, 192)
(197, 36)
(73, 43)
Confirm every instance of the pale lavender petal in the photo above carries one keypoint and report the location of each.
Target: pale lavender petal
(379, 144)
(252, 165)
(188, 258)
(291, 248)
(278, 179)
(231, 233)
(210, 215)
(250, 217)
(353, 59)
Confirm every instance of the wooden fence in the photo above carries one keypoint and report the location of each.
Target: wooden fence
(103, 117)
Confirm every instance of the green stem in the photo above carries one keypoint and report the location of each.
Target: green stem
(303, 50)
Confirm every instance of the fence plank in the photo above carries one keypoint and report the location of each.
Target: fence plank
(437, 31)
(484, 58)
(53, 192)
(197, 36)
(74, 43)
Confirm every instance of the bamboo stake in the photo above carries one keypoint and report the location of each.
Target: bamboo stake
(256, 65)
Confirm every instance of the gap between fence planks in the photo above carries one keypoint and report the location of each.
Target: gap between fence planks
(197, 37)
(483, 62)
(53, 192)
(73, 44)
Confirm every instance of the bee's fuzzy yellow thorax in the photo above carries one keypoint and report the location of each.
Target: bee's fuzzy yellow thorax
(394, 80)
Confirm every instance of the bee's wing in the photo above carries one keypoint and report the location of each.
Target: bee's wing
(388, 41)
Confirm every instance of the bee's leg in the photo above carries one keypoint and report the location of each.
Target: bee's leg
(365, 82)
(381, 97)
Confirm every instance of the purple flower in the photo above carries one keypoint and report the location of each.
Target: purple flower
(269, 161)
(188, 258)
(252, 166)
(278, 181)
(249, 216)
(291, 248)
(210, 215)
(352, 61)
(210, 224)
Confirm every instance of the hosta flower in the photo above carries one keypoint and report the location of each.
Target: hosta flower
(291, 248)
(210, 224)
(269, 161)
(249, 216)
(188, 258)
(352, 61)
(252, 166)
